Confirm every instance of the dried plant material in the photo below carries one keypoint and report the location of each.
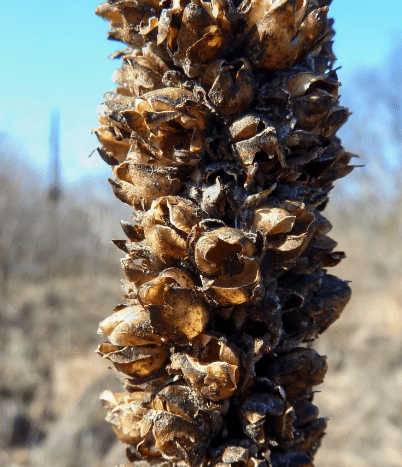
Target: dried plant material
(127, 414)
(136, 362)
(215, 248)
(153, 182)
(286, 33)
(220, 134)
(245, 150)
(176, 311)
(235, 289)
(129, 326)
(193, 37)
(167, 224)
(216, 380)
(230, 96)
(270, 221)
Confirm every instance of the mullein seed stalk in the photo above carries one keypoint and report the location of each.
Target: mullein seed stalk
(221, 136)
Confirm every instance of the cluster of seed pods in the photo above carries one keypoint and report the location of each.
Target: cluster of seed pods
(221, 136)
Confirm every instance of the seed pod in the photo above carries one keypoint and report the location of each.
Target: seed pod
(212, 249)
(230, 96)
(127, 414)
(176, 310)
(285, 34)
(140, 362)
(167, 224)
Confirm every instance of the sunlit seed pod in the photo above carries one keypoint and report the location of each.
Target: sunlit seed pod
(213, 249)
(228, 95)
(213, 349)
(285, 33)
(176, 437)
(129, 326)
(235, 289)
(245, 150)
(243, 128)
(110, 13)
(237, 455)
(128, 194)
(176, 311)
(215, 374)
(141, 362)
(136, 13)
(153, 182)
(299, 84)
(152, 293)
(270, 221)
(119, 147)
(182, 317)
(191, 113)
(127, 414)
(179, 400)
(192, 36)
(295, 242)
(167, 224)
(216, 381)
(135, 233)
(138, 78)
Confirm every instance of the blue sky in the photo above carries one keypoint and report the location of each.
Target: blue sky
(54, 55)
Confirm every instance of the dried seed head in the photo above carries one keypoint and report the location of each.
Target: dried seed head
(221, 132)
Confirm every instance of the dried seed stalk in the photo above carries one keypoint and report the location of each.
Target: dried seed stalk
(221, 135)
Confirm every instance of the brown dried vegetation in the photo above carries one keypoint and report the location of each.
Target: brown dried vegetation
(221, 133)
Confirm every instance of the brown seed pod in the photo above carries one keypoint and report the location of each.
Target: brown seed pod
(251, 135)
(292, 245)
(114, 144)
(215, 248)
(138, 76)
(176, 310)
(153, 182)
(141, 264)
(215, 375)
(286, 33)
(270, 221)
(167, 224)
(229, 289)
(230, 95)
(127, 414)
(143, 362)
(192, 36)
(129, 326)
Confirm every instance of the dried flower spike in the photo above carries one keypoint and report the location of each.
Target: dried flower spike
(221, 136)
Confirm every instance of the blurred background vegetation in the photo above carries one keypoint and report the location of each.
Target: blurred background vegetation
(60, 276)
